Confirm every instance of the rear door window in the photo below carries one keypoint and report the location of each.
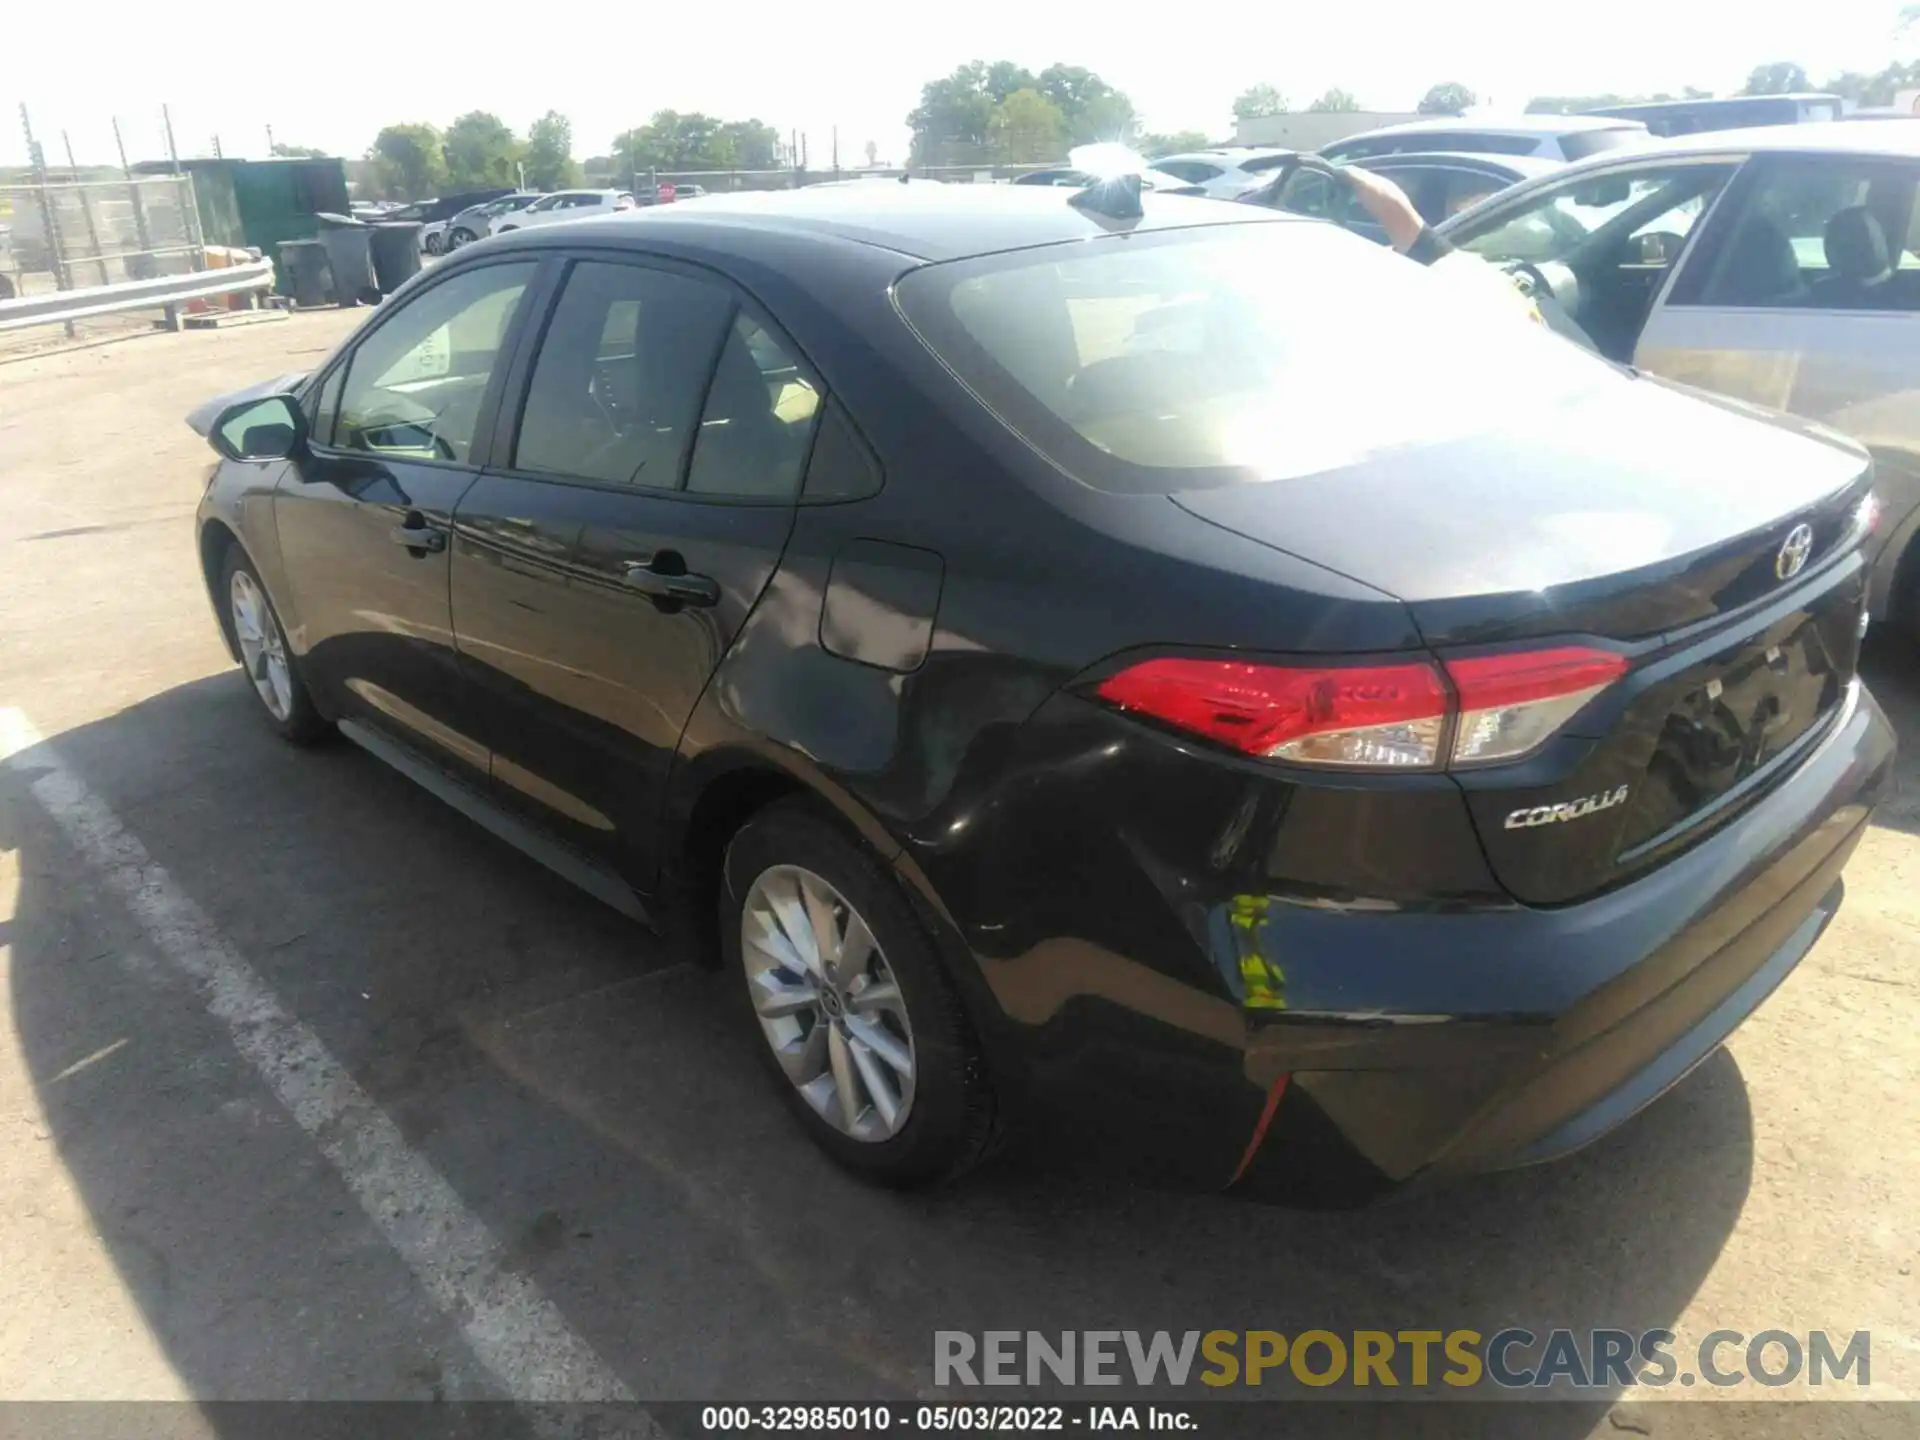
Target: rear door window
(620, 376)
(759, 417)
(1826, 234)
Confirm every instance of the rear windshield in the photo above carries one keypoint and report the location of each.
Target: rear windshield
(1147, 364)
(1583, 143)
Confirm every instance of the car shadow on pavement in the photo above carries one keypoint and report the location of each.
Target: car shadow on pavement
(594, 1099)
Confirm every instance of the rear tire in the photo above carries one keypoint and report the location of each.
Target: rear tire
(268, 661)
(853, 1016)
(462, 236)
(431, 244)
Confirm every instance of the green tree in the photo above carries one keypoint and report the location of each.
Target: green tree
(1178, 143)
(1258, 101)
(955, 113)
(1107, 117)
(1449, 97)
(297, 152)
(481, 151)
(756, 145)
(1877, 89)
(408, 162)
(1027, 126)
(550, 164)
(673, 140)
(873, 154)
(1094, 110)
(1782, 77)
(1336, 102)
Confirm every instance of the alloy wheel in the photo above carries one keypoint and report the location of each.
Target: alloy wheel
(263, 650)
(828, 1003)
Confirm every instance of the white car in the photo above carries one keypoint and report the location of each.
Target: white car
(1556, 137)
(1226, 172)
(564, 205)
(476, 222)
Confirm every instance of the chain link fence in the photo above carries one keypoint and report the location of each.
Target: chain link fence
(67, 234)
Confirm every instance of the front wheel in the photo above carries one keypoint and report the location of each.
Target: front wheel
(265, 655)
(861, 1029)
(462, 236)
(431, 244)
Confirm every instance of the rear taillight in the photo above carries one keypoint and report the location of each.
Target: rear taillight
(1511, 704)
(1377, 717)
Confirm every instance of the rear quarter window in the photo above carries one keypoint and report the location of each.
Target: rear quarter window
(1591, 142)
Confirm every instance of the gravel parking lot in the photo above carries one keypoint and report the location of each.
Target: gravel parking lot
(471, 1135)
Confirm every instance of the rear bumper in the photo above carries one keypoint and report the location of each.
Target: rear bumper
(1398, 1041)
(1616, 1000)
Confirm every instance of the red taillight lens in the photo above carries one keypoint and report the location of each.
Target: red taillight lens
(1510, 704)
(1384, 716)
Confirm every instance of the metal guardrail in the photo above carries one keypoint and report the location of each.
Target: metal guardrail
(62, 305)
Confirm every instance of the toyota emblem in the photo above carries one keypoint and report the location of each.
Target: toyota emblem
(1794, 551)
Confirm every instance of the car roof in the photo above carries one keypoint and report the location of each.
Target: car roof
(1226, 156)
(1632, 108)
(1544, 126)
(922, 222)
(1823, 137)
(1524, 166)
(1820, 137)
(1863, 137)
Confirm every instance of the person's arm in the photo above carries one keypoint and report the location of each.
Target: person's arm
(1393, 212)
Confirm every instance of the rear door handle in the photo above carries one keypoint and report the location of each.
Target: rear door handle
(421, 537)
(664, 578)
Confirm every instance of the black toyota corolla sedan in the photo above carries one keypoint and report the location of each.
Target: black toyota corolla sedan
(1168, 679)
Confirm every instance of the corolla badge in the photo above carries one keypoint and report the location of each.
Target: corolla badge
(1794, 551)
(1526, 819)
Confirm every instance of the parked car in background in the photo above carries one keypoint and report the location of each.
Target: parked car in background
(1667, 118)
(434, 215)
(476, 221)
(564, 205)
(1058, 175)
(1225, 173)
(1367, 740)
(1066, 178)
(1440, 185)
(1555, 137)
(1779, 266)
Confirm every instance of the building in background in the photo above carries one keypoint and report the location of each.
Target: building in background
(1310, 129)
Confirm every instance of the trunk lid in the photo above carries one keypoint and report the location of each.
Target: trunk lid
(1717, 551)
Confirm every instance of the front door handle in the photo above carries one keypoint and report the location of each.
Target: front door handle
(418, 535)
(665, 578)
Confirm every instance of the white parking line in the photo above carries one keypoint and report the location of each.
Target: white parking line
(514, 1330)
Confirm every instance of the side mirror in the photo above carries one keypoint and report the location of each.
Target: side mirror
(266, 429)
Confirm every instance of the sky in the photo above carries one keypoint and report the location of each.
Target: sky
(332, 75)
